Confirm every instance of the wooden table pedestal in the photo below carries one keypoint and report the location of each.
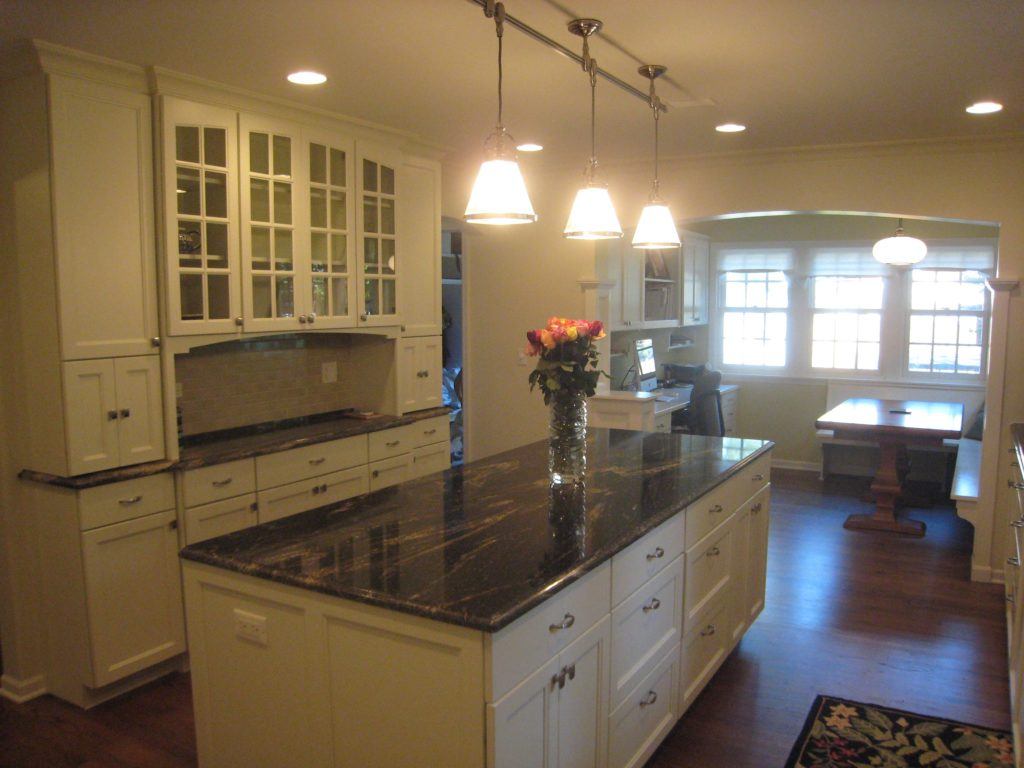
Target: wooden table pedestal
(887, 488)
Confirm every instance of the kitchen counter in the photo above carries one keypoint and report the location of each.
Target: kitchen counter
(480, 545)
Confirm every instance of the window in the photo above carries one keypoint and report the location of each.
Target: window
(754, 319)
(847, 322)
(947, 313)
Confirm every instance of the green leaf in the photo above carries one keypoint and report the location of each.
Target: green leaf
(870, 729)
(939, 747)
(927, 729)
(878, 718)
(927, 758)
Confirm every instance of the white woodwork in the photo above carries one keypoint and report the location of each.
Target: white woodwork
(378, 273)
(387, 443)
(134, 595)
(117, 502)
(102, 173)
(522, 726)
(583, 702)
(428, 459)
(430, 431)
(90, 415)
(220, 517)
(696, 278)
(740, 572)
(637, 726)
(291, 499)
(730, 408)
(219, 481)
(708, 572)
(646, 557)
(420, 237)
(631, 293)
(703, 649)
(388, 472)
(712, 509)
(419, 373)
(310, 461)
(757, 559)
(140, 423)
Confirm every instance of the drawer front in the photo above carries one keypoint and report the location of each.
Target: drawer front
(712, 509)
(429, 431)
(220, 517)
(388, 472)
(531, 640)
(646, 557)
(663, 423)
(291, 499)
(708, 571)
(704, 647)
(221, 481)
(644, 627)
(392, 442)
(647, 714)
(310, 461)
(117, 502)
(430, 459)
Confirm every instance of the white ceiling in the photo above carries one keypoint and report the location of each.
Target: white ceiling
(797, 72)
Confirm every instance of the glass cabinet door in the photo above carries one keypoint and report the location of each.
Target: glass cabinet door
(331, 266)
(662, 287)
(378, 247)
(201, 215)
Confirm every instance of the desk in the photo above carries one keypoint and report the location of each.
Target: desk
(645, 412)
(893, 424)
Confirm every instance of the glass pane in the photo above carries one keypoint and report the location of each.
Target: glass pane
(775, 326)
(945, 329)
(338, 212)
(261, 306)
(339, 296)
(387, 257)
(318, 251)
(320, 295)
(215, 147)
(318, 163)
(921, 329)
(920, 357)
(947, 294)
(186, 143)
(190, 243)
(871, 292)
(217, 245)
(922, 294)
(188, 192)
(388, 305)
(845, 354)
(753, 325)
(732, 351)
(387, 216)
(338, 174)
(282, 249)
(944, 358)
(220, 306)
(369, 176)
(778, 294)
(259, 200)
(753, 352)
(870, 327)
(317, 207)
(735, 294)
(824, 326)
(369, 214)
(216, 194)
(821, 354)
(370, 263)
(775, 352)
(972, 296)
(387, 180)
(339, 253)
(282, 156)
(846, 327)
(867, 356)
(970, 330)
(285, 297)
(191, 288)
(969, 360)
(259, 153)
(370, 297)
(282, 202)
(757, 294)
(733, 325)
(824, 293)
(260, 257)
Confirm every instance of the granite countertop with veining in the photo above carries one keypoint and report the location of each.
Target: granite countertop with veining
(480, 545)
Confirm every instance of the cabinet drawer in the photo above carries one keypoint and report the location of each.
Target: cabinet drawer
(531, 640)
(703, 649)
(388, 472)
(429, 459)
(712, 509)
(218, 518)
(663, 422)
(392, 442)
(221, 481)
(708, 571)
(116, 502)
(291, 499)
(645, 557)
(429, 431)
(648, 713)
(644, 627)
(310, 461)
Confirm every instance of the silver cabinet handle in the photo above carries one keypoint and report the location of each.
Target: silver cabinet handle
(654, 605)
(565, 623)
(319, 489)
(363, 316)
(111, 415)
(393, 444)
(125, 413)
(715, 509)
(129, 502)
(238, 321)
(429, 431)
(318, 462)
(376, 473)
(757, 478)
(708, 630)
(570, 671)
(713, 552)
(558, 680)
(155, 341)
(658, 552)
(1009, 599)
(311, 318)
(1015, 485)
(302, 319)
(1014, 561)
(1017, 524)
(756, 508)
(649, 699)
(222, 483)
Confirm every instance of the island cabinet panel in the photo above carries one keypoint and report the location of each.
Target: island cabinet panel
(704, 648)
(644, 718)
(711, 509)
(708, 571)
(757, 553)
(646, 557)
(522, 726)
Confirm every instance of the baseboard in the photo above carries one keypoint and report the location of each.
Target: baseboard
(803, 466)
(20, 691)
(996, 577)
(982, 573)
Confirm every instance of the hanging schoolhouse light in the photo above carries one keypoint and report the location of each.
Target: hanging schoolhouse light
(656, 228)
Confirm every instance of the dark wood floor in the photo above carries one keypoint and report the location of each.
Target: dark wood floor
(866, 616)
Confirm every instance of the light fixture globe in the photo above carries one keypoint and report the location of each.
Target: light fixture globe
(499, 195)
(592, 216)
(899, 250)
(656, 229)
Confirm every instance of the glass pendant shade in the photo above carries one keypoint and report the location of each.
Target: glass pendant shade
(656, 229)
(499, 195)
(592, 216)
(899, 250)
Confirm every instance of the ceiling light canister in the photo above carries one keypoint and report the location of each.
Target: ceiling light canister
(730, 128)
(307, 77)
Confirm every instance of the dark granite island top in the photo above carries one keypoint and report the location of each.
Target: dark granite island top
(480, 545)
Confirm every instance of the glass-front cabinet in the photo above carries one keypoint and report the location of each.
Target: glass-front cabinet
(378, 244)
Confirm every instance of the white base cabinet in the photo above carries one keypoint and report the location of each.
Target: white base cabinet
(419, 373)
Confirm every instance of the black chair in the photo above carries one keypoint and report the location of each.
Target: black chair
(703, 416)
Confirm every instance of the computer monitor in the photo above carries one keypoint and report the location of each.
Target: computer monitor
(646, 367)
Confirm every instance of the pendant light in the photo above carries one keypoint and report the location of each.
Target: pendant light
(656, 229)
(900, 250)
(593, 215)
(499, 193)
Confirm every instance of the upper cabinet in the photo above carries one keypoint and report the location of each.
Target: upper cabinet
(696, 278)
(381, 257)
(420, 235)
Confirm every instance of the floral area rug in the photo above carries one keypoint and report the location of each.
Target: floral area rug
(847, 734)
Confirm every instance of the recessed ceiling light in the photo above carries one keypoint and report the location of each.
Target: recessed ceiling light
(985, 107)
(730, 128)
(530, 147)
(307, 78)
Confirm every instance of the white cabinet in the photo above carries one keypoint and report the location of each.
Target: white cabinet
(382, 260)
(757, 557)
(696, 278)
(220, 517)
(650, 285)
(113, 413)
(419, 373)
(294, 498)
(420, 237)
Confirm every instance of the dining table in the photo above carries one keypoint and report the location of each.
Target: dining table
(894, 425)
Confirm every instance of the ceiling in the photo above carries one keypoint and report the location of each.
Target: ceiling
(796, 72)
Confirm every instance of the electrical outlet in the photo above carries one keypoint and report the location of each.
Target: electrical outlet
(329, 372)
(251, 627)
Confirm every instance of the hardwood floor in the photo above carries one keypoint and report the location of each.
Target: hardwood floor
(888, 620)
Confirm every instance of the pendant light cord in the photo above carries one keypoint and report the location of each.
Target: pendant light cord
(656, 108)
(499, 30)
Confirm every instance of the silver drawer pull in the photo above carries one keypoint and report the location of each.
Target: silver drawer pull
(714, 552)
(654, 605)
(658, 552)
(708, 630)
(1017, 524)
(1009, 599)
(222, 483)
(715, 509)
(129, 502)
(649, 699)
(1014, 561)
(111, 415)
(1015, 485)
(565, 623)
(570, 671)
(317, 462)
(429, 431)
(757, 478)
(756, 508)
(393, 443)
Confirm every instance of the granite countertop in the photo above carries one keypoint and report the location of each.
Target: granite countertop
(480, 545)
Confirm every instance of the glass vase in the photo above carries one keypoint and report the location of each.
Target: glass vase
(567, 449)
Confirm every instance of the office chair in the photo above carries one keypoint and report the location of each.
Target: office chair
(703, 416)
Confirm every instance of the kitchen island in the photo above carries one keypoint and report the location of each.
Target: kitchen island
(480, 617)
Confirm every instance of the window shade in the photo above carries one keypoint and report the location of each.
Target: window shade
(754, 259)
(844, 262)
(981, 257)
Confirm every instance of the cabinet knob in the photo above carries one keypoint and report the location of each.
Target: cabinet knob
(1014, 561)
(125, 413)
(376, 473)
(302, 319)
(1015, 485)
(238, 321)
(1009, 598)
(316, 489)
(654, 605)
(364, 316)
(715, 509)
(1017, 524)
(757, 478)
(714, 552)
(155, 341)
(570, 671)
(756, 508)
(657, 553)
(173, 525)
(311, 318)
(649, 699)
(254, 507)
(708, 630)
(111, 415)
(129, 502)
(565, 623)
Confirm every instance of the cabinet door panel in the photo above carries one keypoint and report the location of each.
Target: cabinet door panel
(429, 459)
(140, 425)
(522, 725)
(220, 518)
(310, 494)
(408, 382)
(757, 563)
(429, 368)
(583, 702)
(631, 300)
(103, 219)
(420, 235)
(388, 472)
(90, 415)
(133, 591)
(379, 249)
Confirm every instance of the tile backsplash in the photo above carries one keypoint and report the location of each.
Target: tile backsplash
(248, 382)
